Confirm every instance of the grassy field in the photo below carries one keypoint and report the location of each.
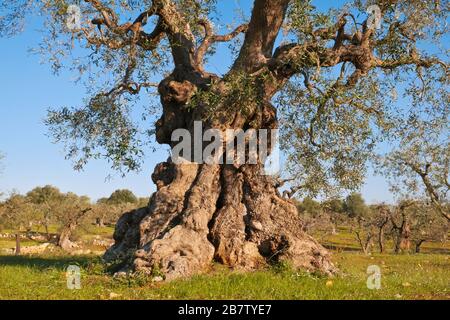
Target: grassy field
(423, 276)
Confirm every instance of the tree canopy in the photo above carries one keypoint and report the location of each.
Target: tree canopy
(122, 197)
(336, 76)
(419, 167)
(355, 206)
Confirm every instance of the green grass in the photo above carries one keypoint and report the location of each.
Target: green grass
(424, 276)
(93, 230)
(11, 243)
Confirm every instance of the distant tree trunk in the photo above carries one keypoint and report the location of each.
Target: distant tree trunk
(17, 244)
(381, 239)
(418, 245)
(365, 244)
(99, 222)
(403, 242)
(334, 223)
(333, 229)
(47, 233)
(29, 229)
(402, 231)
(399, 241)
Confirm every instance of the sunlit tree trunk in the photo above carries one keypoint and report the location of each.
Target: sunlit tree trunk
(17, 251)
(67, 230)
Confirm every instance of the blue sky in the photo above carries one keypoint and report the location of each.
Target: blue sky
(28, 89)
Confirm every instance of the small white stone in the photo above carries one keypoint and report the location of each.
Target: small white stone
(120, 274)
(158, 279)
(113, 295)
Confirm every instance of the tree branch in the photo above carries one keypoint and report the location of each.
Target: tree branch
(265, 24)
(412, 59)
(434, 196)
(210, 39)
(171, 22)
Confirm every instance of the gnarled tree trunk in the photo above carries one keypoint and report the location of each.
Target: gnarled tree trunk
(203, 213)
(210, 212)
(68, 229)
(64, 241)
(227, 213)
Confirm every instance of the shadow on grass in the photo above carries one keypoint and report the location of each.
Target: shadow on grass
(50, 262)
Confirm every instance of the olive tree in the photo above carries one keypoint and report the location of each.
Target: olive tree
(334, 211)
(414, 222)
(355, 206)
(323, 85)
(122, 197)
(71, 212)
(18, 214)
(362, 220)
(427, 225)
(313, 218)
(419, 166)
(120, 201)
(47, 200)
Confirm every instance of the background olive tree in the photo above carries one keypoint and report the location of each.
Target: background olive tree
(18, 215)
(427, 225)
(48, 200)
(72, 211)
(419, 166)
(108, 210)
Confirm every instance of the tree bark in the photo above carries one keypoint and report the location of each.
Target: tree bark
(402, 231)
(206, 213)
(381, 240)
